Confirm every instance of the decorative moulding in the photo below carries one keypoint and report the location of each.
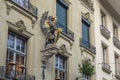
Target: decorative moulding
(88, 4)
(64, 51)
(20, 24)
(17, 27)
(87, 16)
(47, 53)
(26, 13)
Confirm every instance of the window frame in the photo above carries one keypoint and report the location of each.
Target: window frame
(15, 52)
(60, 57)
(103, 19)
(66, 6)
(105, 53)
(86, 22)
(115, 30)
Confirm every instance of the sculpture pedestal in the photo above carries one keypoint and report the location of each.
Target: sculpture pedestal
(48, 53)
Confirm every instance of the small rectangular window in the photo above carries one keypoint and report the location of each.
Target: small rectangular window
(105, 53)
(85, 33)
(60, 67)
(115, 30)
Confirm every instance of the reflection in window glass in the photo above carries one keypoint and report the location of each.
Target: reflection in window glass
(10, 41)
(18, 44)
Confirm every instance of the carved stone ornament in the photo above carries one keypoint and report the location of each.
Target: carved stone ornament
(63, 49)
(48, 27)
(48, 53)
(87, 15)
(20, 24)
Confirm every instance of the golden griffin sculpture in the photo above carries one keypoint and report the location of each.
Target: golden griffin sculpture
(48, 26)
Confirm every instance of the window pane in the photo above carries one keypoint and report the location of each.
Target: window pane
(22, 60)
(23, 47)
(10, 56)
(18, 43)
(85, 33)
(56, 62)
(10, 41)
(61, 63)
(62, 75)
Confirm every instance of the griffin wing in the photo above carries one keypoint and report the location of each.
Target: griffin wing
(44, 18)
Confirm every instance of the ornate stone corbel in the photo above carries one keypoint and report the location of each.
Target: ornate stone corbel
(20, 24)
(63, 49)
(87, 15)
(48, 53)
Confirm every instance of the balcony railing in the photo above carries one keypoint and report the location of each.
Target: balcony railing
(26, 5)
(106, 67)
(68, 33)
(105, 32)
(4, 76)
(117, 74)
(116, 42)
(88, 45)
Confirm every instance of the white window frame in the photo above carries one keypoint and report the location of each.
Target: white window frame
(16, 52)
(60, 69)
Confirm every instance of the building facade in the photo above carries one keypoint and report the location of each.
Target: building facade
(23, 54)
(107, 23)
(84, 23)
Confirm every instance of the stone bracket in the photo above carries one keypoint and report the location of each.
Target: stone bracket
(48, 53)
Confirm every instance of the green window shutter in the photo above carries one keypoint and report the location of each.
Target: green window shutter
(61, 13)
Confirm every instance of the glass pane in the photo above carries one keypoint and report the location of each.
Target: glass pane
(61, 63)
(10, 56)
(56, 74)
(22, 60)
(23, 47)
(62, 75)
(18, 43)
(56, 62)
(17, 59)
(10, 41)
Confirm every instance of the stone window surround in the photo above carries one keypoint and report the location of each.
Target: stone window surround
(16, 52)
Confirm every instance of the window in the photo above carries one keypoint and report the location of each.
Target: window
(60, 68)
(16, 55)
(116, 62)
(85, 33)
(103, 19)
(61, 13)
(105, 54)
(115, 31)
